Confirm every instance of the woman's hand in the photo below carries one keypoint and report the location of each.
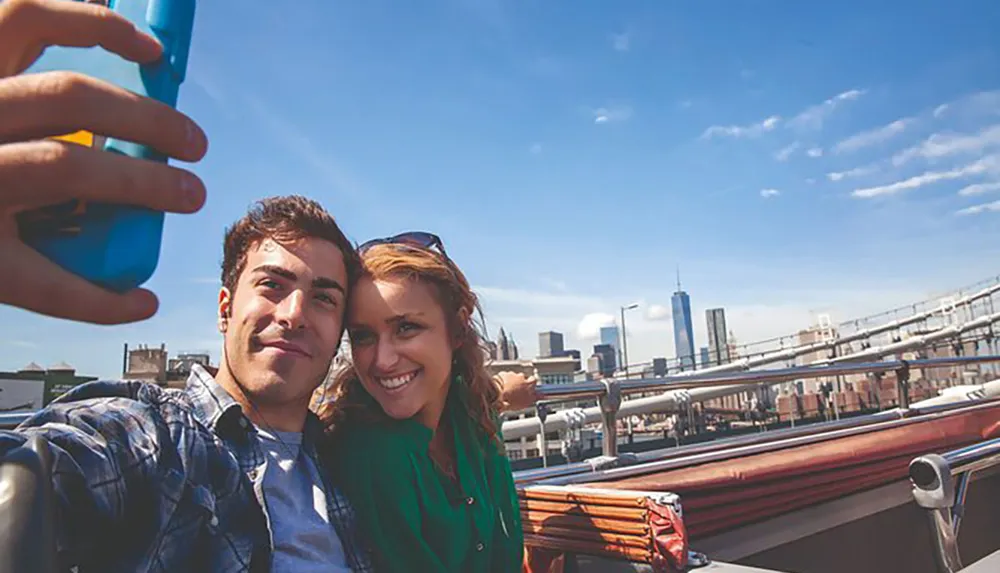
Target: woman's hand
(516, 391)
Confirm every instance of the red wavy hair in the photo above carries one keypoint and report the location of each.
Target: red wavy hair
(461, 307)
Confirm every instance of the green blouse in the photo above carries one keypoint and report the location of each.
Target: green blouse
(417, 519)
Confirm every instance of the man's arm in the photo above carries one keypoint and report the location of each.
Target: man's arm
(101, 449)
(37, 172)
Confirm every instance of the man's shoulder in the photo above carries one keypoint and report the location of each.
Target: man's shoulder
(116, 401)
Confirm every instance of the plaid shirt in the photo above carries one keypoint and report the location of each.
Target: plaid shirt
(152, 479)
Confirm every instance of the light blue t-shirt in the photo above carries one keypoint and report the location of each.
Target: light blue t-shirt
(304, 539)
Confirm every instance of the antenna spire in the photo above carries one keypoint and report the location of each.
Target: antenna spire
(678, 278)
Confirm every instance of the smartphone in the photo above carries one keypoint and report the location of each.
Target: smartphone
(114, 246)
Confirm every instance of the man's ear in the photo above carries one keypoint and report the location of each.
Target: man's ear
(225, 308)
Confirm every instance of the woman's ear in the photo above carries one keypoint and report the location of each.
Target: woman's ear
(462, 325)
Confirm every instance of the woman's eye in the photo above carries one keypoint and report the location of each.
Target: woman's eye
(359, 337)
(408, 327)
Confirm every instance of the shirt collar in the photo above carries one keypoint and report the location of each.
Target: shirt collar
(223, 414)
(214, 406)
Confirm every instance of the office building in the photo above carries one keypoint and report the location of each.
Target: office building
(506, 348)
(706, 357)
(608, 360)
(683, 330)
(718, 343)
(659, 367)
(609, 336)
(550, 344)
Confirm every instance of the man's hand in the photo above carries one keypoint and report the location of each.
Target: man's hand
(35, 172)
(516, 391)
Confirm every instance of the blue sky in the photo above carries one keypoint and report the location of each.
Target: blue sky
(790, 158)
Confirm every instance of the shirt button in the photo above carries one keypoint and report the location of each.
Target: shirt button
(480, 546)
(470, 500)
(214, 522)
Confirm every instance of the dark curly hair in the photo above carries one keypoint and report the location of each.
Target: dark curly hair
(283, 219)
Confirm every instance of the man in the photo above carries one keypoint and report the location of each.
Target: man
(223, 475)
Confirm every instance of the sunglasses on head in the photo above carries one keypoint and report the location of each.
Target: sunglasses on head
(418, 239)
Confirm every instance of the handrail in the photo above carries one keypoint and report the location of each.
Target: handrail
(580, 390)
(940, 485)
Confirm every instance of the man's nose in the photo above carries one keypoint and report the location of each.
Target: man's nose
(291, 312)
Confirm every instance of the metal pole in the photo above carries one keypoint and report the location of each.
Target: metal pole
(624, 344)
(609, 403)
(543, 445)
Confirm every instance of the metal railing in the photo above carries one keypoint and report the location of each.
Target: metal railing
(679, 391)
(940, 484)
(672, 458)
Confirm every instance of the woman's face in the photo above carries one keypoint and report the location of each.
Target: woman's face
(401, 347)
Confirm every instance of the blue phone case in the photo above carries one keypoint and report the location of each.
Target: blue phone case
(115, 246)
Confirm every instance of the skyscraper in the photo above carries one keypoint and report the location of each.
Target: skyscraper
(718, 344)
(683, 331)
(506, 349)
(550, 344)
(609, 335)
(608, 362)
(706, 359)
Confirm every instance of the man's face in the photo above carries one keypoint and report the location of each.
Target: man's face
(282, 324)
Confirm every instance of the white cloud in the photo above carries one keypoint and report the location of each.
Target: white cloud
(591, 324)
(856, 172)
(620, 42)
(989, 164)
(815, 152)
(787, 151)
(611, 114)
(941, 145)
(752, 130)
(977, 209)
(20, 343)
(813, 117)
(768, 193)
(657, 312)
(873, 136)
(535, 149)
(972, 105)
(979, 189)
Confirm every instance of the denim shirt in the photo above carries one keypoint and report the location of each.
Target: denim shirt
(154, 479)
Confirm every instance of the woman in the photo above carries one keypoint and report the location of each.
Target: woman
(414, 426)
